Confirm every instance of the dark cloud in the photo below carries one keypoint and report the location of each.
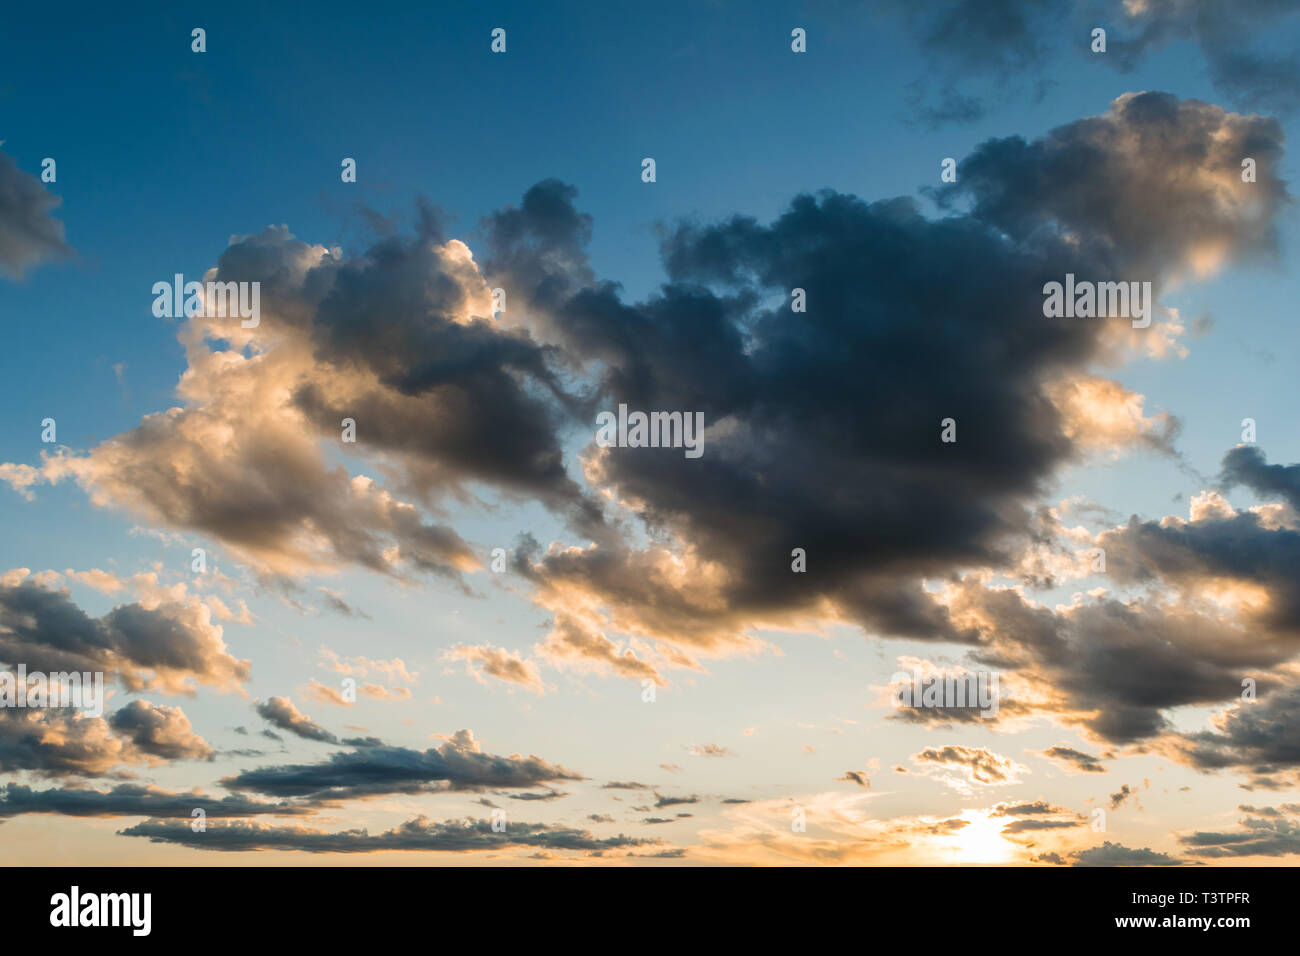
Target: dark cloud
(281, 712)
(662, 801)
(168, 647)
(1037, 808)
(1264, 831)
(61, 743)
(997, 36)
(543, 796)
(1254, 737)
(1115, 667)
(28, 233)
(951, 106)
(1247, 465)
(1222, 545)
(1141, 218)
(1233, 35)
(399, 341)
(129, 800)
(160, 731)
(824, 426)
(454, 396)
(1115, 854)
(418, 834)
(1076, 759)
(334, 601)
(55, 743)
(372, 769)
(1029, 826)
(1011, 43)
(1117, 799)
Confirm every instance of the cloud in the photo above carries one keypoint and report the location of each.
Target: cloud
(160, 731)
(1179, 211)
(325, 694)
(449, 397)
(1251, 737)
(334, 601)
(1074, 759)
(546, 795)
(130, 800)
(790, 460)
(1009, 42)
(394, 670)
(966, 767)
(572, 642)
(29, 235)
(1030, 826)
(1116, 854)
(1229, 34)
(452, 836)
(662, 801)
(1036, 808)
(372, 768)
(398, 341)
(55, 743)
(1264, 831)
(1117, 799)
(1247, 465)
(1111, 667)
(500, 663)
(709, 750)
(166, 646)
(281, 712)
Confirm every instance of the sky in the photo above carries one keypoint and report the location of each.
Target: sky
(478, 634)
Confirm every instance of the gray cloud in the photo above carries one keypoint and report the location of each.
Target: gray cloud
(167, 647)
(418, 834)
(129, 800)
(281, 712)
(1075, 759)
(1264, 831)
(876, 500)
(28, 233)
(1116, 854)
(372, 768)
(160, 731)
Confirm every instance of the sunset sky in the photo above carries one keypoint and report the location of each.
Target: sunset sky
(644, 677)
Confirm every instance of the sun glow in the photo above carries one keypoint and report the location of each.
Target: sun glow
(981, 840)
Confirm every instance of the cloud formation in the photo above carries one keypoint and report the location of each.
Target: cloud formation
(29, 234)
(281, 712)
(372, 768)
(156, 645)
